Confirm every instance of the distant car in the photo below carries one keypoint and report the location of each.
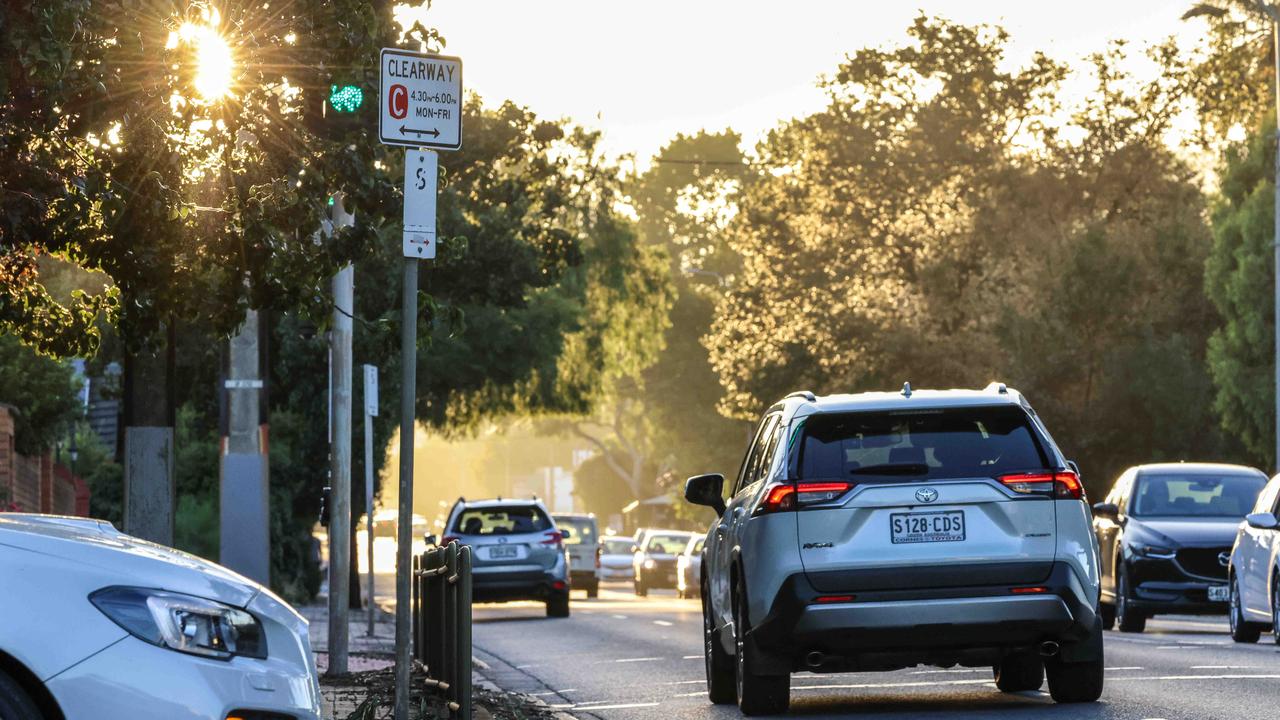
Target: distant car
(1164, 538)
(654, 563)
(99, 624)
(517, 552)
(1255, 569)
(689, 569)
(615, 558)
(580, 533)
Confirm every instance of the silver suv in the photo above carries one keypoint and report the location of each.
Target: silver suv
(886, 530)
(517, 552)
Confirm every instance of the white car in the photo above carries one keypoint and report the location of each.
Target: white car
(1254, 570)
(99, 625)
(878, 531)
(615, 558)
(689, 569)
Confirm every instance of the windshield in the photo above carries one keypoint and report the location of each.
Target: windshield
(919, 444)
(618, 546)
(1195, 495)
(666, 544)
(513, 520)
(697, 546)
(581, 530)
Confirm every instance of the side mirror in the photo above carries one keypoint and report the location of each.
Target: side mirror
(1106, 509)
(635, 549)
(1262, 521)
(706, 490)
(430, 539)
(565, 533)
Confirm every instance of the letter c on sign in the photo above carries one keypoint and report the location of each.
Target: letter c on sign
(398, 102)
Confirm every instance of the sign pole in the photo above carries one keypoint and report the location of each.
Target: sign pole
(404, 528)
(420, 102)
(370, 411)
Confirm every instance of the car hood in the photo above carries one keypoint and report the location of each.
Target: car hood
(1191, 531)
(123, 559)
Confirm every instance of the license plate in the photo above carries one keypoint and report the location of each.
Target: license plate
(941, 526)
(1219, 593)
(503, 552)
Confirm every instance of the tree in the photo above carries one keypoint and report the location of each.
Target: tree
(1239, 279)
(44, 392)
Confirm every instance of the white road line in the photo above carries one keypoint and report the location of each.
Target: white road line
(685, 682)
(950, 670)
(859, 686)
(663, 623)
(619, 617)
(619, 707)
(1202, 677)
(691, 657)
(692, 694)
(1135, 667)
(1224, 667)
(631, 660)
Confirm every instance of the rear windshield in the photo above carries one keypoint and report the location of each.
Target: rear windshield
(514, 520)
(1195, 495)
(663, 544)
(919, 444)
(697, 546)
(620, 546)
(581, 530)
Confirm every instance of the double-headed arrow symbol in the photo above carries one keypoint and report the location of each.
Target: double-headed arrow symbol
(432, 132)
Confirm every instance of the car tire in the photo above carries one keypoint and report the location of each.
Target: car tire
(758, 693)
(641, 589)
(1128, 618)
(1242, 631)
(1077, 682)
(1019, 672)
(1275, 608)
(593, 591)
(722, 686)
(1107, 613)
(558, 606)
(15, 704)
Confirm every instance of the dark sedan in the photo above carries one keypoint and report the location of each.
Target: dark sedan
(1165, 534)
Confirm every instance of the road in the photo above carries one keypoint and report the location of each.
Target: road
(626, 658)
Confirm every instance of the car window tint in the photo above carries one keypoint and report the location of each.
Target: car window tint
(751, 467)
(1267, 500)
(620, 546)
(697, 546)
(501, 521)
(920, 444)
(770, 451)
(1186, 495)
(666, 543)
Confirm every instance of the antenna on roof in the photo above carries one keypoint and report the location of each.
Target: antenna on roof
(802, 394)
(998, 387)
(906, 389)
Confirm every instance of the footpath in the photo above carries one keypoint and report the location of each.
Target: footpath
(366, 692)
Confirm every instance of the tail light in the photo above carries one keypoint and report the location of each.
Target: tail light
(781, 498)
(554, 538)
(1061, 484)
(448, 539)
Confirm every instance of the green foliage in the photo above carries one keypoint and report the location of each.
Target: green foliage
(44, 392)
(1240, 280)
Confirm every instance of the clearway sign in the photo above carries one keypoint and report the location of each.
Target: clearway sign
(421, 100)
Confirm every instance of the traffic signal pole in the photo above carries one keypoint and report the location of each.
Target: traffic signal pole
(340, 455)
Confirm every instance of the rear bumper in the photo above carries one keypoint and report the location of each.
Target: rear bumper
(897, 628)
(523, 585)
(584, 578)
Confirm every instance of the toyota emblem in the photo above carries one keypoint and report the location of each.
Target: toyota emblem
(926, 495)
(1224, 558)
(502, 541)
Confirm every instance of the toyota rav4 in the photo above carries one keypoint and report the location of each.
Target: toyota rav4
(879, 531)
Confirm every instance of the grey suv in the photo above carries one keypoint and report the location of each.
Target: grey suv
(885, 530)
(517, 552)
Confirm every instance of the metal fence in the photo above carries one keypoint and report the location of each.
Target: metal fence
(442, 622)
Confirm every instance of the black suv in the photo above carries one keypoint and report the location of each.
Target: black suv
(1164, 539)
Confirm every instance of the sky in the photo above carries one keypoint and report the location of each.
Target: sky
(644, 71)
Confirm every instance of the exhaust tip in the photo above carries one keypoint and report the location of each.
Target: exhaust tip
(814, 659)
(1049, 648)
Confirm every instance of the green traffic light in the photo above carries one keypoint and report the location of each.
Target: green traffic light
(345, 98)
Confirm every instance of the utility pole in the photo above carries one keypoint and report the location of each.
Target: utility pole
(340, 453)
(1273, 12)
(150, 493)
(370, 412)
(244, 544)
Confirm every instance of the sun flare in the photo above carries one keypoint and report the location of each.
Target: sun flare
(214, 60)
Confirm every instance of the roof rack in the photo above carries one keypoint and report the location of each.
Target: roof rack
(802, 394)
(997, 387)
(906, 389)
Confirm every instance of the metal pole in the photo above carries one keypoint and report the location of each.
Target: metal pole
(404, 528)
(340, 457)
(1275, 33)
(368, 510)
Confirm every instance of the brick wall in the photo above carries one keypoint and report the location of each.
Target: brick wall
(37, 484)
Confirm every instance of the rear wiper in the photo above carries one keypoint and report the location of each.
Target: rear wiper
(892, 469)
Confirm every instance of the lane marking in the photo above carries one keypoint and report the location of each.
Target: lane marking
(685, 682)
(691, 657)
(1135, 667)
(1202, 677)
(950, 670)
(631, 660)
(858, 686)
(619, 617)
(1224, 667)
(692, 694)
(663, 623)
(620, 706)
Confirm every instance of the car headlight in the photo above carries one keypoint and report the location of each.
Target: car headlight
(184, 623)
(649, 564)
(1155, 552)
